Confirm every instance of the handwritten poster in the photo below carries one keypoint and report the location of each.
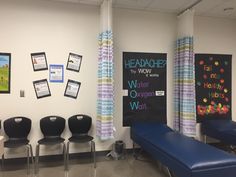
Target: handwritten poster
(144, 87)
(213, 86)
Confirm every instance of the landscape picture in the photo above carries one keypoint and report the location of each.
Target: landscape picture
(5, 64)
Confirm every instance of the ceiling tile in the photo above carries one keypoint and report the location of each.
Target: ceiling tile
(88, 2)
(175, 6)
(215, 8)
(66, 1)
(206, 6)
(91, 2)
(133, 4)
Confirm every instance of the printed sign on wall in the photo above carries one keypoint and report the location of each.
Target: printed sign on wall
(144, 84)
(213, 86)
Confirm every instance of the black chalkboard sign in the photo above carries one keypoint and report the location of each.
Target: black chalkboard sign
(144, 79)
(213, 86)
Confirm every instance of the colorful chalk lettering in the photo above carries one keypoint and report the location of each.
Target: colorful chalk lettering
(213, 86)
(143, 75)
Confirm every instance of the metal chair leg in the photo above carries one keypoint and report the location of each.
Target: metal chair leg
(37, 159)
(32, 155)
(67, 156)
(205, 139)
(2, 162)
(91, 151)
(28, 168)
(133, 148)
(170, 174)
(64, 155)
(94, 153)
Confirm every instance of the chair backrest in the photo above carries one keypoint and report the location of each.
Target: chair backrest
(17, 127)
(79, 124)
(52, 125)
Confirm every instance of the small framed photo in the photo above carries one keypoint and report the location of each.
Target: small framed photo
(72, 89)
(56, 73)
(5, 72)
(41, 88)
(74, 62)
(39, 61)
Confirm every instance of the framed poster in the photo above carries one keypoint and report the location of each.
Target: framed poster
(144, 86)
(56, 73)
(39, 61)
(74, 62)
(213, 86)
(41, 88)
(72, 89)
(5, 72)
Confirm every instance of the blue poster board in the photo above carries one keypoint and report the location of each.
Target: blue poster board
(56, 73)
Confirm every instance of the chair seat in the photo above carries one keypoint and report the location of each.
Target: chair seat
(80, 138)
(14, 143)
(51, 140)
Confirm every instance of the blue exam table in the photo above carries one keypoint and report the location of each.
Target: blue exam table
(182, 155)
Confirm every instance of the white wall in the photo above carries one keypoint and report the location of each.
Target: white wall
(60, 28)
(57, 29)
(138, 31)
(217, 36)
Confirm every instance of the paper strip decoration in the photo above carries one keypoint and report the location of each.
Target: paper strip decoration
(184, 87)
(184, 77)
(105, 102)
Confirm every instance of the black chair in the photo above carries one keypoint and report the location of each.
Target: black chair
(17, 129)
(79, 126)
(52, 128)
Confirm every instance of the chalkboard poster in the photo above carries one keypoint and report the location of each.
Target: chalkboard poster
(144, 81)
(213, 86)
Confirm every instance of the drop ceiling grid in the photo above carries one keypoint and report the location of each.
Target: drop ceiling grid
(131, 4)
(219, 10)
(212, 8)
(215, 8)
(174, 6)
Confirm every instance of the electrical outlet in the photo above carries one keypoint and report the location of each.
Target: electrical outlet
(22, 93)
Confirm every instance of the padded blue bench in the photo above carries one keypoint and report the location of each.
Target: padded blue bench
(182, 155)
(223, 130)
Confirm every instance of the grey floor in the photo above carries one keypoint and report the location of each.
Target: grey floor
(128, 167)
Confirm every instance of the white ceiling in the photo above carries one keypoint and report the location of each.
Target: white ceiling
(213, 8)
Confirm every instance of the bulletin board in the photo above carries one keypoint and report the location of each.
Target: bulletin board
(213, 86)
(144, 86)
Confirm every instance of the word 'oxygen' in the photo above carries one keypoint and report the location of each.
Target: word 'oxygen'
(145, 63)
(135, 94)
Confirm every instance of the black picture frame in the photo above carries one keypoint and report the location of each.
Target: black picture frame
(72, 88)
(74, 62)
(41, 88)
(39, 61)
(5, 72)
